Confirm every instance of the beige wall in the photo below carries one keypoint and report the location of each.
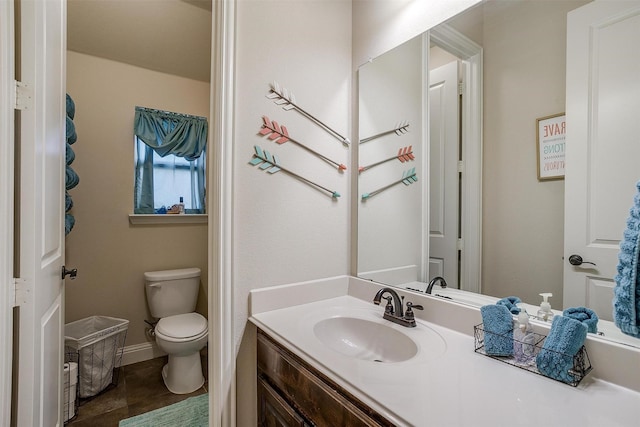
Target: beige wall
(110, 254)
(524, 79)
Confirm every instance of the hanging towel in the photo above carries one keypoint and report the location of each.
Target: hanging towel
(584, 315)
(70, 156)
(69, 222)
(564, 341)
(71, 107)
(68, 203)
(626, 293)
(71, 132)
(72, 179)
(510, 303)
(498, 330)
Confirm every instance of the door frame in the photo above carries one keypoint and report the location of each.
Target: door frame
(470, 53)
(7, 298)
(222, 359)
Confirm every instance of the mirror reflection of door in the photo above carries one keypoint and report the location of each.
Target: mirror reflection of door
(602, 149)
(444, 188)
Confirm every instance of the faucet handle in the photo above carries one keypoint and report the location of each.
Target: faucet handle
(408, 315)
(389, 307)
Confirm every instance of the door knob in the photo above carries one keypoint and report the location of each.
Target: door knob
(577, 260)
(71, 273)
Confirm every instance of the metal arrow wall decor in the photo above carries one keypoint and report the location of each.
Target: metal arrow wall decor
(405, 154)
(399, 130)
(280, 135)
(271, 163)
(285, 98)
(408, 177)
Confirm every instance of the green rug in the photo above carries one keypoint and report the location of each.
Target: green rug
(192, 412)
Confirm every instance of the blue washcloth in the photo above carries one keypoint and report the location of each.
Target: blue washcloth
(498, 330)
(510, 303)
(564, 341)
(584, 315)
(626, 293)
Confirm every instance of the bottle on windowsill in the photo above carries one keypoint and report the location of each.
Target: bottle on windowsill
(181, 206)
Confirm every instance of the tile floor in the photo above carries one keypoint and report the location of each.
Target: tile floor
(140, 389)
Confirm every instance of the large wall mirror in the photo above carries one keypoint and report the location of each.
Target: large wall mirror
(448, 182)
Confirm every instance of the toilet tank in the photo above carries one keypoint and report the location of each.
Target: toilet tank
(171, 292)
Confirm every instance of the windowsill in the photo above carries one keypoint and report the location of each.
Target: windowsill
(147, 219)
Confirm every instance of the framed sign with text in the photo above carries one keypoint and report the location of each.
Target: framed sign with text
(550, 138)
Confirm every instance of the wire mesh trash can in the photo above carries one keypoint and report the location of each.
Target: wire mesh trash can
(99, 342)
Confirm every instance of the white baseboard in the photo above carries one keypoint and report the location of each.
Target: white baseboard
(140, 352)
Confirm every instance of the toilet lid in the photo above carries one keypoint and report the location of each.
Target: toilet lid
(182, 325)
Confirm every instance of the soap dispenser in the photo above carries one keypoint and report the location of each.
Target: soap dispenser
(524, 348)
(181, 205)
(545, 313)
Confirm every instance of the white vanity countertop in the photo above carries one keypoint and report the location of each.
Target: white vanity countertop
(447, 383)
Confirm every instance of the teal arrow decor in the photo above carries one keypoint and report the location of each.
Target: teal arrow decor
(408, 177)
(271, 163)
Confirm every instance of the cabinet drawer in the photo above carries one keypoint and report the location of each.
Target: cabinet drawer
(274, 410)
(312, 394)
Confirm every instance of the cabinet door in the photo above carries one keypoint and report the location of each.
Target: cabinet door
(322, 402)
(273, 410)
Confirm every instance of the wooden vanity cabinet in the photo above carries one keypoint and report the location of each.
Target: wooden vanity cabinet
(293, 393)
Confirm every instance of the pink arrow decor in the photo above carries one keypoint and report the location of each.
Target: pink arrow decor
(285, 98)
(401, 129)
(405, 154)
(408, 177)
(271, 163)
(280, 134)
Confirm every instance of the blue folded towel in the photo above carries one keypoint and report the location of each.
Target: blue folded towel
(498, 330)
(510, 303)
(564, 341)
(584, 315)
(626, 293)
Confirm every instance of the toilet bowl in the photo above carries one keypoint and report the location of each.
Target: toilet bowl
(180, 331)
(182, 337)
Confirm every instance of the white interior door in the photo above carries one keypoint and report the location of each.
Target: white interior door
(444, 140)
(602, 152)
(41, 232)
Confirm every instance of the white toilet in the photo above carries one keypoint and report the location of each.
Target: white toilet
(180, 332)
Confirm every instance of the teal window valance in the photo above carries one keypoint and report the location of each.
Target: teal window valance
(166, 133)
(169, 161)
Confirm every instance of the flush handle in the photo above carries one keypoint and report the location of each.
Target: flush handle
(71, 273)
(577, 260)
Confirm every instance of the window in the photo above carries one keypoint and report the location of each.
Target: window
(172, 177)
(170, 152)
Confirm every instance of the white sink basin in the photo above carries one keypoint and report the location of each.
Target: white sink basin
(364, 339)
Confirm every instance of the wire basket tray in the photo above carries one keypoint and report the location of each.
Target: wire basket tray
(581, 365)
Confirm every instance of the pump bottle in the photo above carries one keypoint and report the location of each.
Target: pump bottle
(545, 313)
(524, 348)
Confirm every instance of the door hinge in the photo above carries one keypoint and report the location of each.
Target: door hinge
(460, 166)
(460, 244)
(23, 291)
(24, 98)
(461, 88)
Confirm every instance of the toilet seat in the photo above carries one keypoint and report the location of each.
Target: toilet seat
(182, 327)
